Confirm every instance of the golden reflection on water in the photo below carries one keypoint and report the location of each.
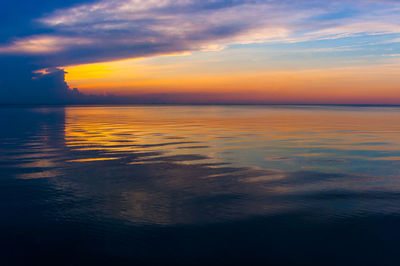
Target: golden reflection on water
(248, 136)
(182, 164)
(37, 175)
(93, 159)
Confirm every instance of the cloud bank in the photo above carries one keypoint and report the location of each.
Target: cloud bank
(21, 84)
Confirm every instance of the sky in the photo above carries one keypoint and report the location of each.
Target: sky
(200, 51)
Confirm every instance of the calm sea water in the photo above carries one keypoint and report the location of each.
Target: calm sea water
(183, 185)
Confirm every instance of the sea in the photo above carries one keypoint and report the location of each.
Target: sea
(200, 185)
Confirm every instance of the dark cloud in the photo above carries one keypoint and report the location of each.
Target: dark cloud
(60, 33)
(21, 85)
(18, 82)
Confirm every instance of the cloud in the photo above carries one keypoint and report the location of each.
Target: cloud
(42, 44)
(21, 85)
(115, 29)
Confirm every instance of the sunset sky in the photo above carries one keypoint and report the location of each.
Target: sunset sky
(215, 51)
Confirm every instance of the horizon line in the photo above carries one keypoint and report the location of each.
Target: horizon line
(194, 104)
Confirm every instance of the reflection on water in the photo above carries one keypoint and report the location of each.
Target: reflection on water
(107, 169)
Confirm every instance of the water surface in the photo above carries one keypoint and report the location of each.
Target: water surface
(181, 185)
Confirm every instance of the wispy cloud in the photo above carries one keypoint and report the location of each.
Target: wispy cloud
(115, 29)
(43, 44)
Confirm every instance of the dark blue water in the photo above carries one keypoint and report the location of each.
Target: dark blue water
(199, 185)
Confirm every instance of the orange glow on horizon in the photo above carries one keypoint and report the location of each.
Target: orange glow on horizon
(361, 84)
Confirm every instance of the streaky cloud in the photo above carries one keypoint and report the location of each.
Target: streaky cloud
(115, 29)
